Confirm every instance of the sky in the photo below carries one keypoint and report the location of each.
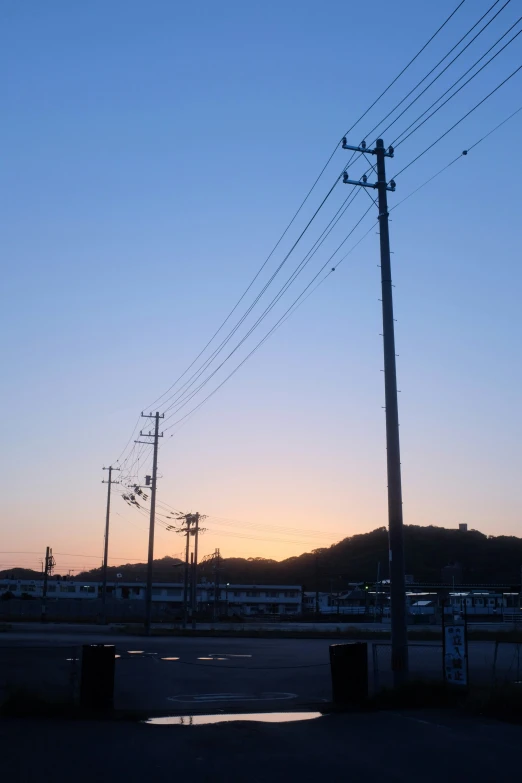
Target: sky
(153, 154)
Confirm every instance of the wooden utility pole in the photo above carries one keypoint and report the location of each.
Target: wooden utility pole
(150, 561)
(195, 571)
(399, 638)
(188, 520)
(217, 559)
(109, 483)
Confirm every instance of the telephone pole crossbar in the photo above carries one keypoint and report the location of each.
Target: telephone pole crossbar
(399, 637)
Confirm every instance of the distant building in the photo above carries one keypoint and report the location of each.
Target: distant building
(244, 600)
(463, 527)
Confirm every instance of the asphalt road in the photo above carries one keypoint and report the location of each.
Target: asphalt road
(194, 675)
(397, 747)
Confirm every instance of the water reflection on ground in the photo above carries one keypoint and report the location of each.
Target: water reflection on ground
(261, 717)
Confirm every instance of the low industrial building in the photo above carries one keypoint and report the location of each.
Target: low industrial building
(232, 599)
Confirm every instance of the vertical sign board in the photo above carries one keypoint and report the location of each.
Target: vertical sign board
(455, 655)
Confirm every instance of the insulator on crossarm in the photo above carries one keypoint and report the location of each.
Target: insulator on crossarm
(364, 179)
(344, 142)
(345, 177)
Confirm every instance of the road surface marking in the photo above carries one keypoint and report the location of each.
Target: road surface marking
(217, 697)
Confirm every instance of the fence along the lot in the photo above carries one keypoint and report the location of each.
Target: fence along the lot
(490, 663)
(48, 675)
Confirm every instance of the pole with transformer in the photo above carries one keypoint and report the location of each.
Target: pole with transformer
(109, 483)
(49, 566)
(399, 638)
(150, 560)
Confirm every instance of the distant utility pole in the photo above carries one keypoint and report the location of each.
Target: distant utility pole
(217, 558)
(195, 571)
(109, 483)
(317, 585)
(188, 522)
(399, 637)
(48, 569)
(150, 561)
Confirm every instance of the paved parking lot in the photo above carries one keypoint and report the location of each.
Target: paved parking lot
(180, 674)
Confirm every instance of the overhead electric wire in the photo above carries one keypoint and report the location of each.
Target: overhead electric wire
(437, 77)
(182, 398)
(224, 342)
(483, 100)
(295, 304)
(301, 266)
(396, 142)
(275, 325)
(435, 68)
(390, 85)
(462, 154)
(309, 193)
(383, 93)
(209, 360)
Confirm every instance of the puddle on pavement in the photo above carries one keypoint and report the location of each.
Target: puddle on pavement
(169, 659)
(259, 717)
(135, 652)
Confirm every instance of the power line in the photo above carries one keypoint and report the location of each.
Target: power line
(390, 85)
(451, 63)
(224, 342)
(183, 400)
(396, 141)
(463, 153)
(260, 343)
(403, 70)
(293, 306)
(459, 121)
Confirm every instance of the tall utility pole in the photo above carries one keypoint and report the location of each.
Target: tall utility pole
(109, 483)
(399, 637)
(150, 561)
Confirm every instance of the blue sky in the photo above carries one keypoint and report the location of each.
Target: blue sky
(153, 154)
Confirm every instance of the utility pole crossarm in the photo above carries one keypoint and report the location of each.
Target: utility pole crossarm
(362, 148)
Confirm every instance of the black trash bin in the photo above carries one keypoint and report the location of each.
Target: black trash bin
(97, 683)
(349, 666)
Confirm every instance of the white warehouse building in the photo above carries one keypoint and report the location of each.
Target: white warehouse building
(233, 599)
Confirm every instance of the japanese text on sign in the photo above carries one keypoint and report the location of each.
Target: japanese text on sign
(455, 665)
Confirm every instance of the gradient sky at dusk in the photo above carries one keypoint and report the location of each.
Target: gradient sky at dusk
(153, 154)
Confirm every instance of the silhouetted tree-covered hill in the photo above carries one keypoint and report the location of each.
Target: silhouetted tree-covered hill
(428, 550)
(167, 569)
(21, 573)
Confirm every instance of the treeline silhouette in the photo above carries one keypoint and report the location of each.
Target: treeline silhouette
(482, 559)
